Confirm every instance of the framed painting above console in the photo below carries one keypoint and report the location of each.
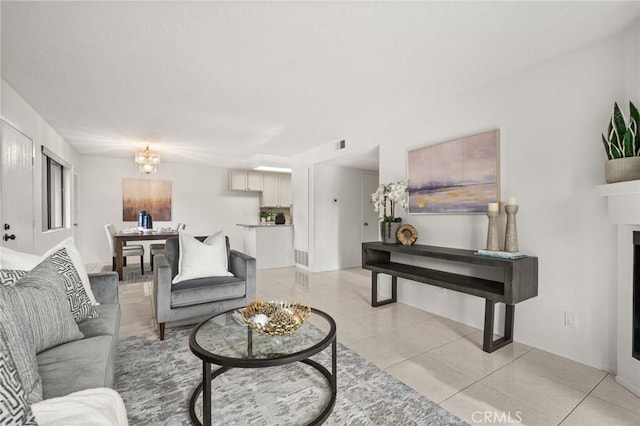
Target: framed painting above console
(458, 176)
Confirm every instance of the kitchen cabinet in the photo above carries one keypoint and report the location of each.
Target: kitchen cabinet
(245, 180)
(276, 190)
(284, 190)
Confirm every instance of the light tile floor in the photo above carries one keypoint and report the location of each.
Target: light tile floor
(440, 358)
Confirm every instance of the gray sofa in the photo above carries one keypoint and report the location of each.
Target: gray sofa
(89, 362)
(196, 298)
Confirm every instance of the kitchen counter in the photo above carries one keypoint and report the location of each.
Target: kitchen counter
(270, 244)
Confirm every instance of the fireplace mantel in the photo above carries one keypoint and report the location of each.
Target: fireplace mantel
(624, 210)
(624, 201)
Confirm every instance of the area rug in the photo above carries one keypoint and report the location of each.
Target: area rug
(156, 380)
(131, 273)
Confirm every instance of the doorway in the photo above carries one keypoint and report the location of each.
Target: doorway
(16, 189)
(366, 163)
(369, 216)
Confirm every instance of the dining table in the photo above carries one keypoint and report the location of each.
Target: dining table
(121, 238)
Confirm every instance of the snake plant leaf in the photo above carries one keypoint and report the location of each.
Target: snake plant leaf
(607, 148)
(635, 115)
(615, 140)
(614, 148)
(628, 143)
(615, 152)
(619, 123)
(635, 120)
(633, 129)
(610, 127)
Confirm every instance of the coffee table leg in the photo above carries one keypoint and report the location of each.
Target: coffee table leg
(206, 393)
(334, 365)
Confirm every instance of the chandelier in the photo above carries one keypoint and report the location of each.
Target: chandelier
(147, 160)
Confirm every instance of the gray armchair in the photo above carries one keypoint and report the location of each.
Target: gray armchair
(196, 298)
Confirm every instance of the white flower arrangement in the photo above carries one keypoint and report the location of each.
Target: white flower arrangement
(395, 193)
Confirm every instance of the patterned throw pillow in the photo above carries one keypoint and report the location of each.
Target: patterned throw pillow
(10, 276)
(14, 408)
(79, 302)
(74, 254)
(40, 295)
(17, 340)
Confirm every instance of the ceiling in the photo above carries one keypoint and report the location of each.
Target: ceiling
(239, 82)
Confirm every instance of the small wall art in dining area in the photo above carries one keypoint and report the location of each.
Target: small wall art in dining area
(153, 196)
(458, 176)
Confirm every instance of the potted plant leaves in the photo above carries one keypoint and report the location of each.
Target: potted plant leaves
(622, 146)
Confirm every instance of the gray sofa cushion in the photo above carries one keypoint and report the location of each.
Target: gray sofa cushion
(78, 365)
(17, 341)
(205, 290)
(107, 323)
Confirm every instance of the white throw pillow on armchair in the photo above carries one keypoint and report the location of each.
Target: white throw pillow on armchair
(202, 259)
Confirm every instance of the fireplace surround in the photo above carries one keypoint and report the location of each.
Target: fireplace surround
(623, 199)
(635, 339)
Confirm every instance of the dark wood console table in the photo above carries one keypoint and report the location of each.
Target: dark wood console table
(519, 280)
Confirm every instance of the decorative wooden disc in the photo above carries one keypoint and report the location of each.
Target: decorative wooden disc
(406, 235)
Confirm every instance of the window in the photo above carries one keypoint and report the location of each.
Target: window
(54, 177)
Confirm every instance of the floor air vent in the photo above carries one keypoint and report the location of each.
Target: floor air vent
(302, 257)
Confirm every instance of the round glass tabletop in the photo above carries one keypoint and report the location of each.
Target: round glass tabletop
(225, 340)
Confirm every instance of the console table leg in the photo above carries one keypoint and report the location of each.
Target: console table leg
(374, 291)
(489, 310)
(394, 288)
(508, 321)
(490, 345)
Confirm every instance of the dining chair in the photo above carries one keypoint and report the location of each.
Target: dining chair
(132, 250)
(158, 248)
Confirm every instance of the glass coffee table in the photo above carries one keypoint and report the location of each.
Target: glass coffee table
(223, 341)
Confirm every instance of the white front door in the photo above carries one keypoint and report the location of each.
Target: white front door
(369, 217)
(16, 189)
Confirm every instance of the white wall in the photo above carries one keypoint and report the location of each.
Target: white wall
(200, 199)
(300, 191)
(550, 117)
(17, 112)
(337, 231)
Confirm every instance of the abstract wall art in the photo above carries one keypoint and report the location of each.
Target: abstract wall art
(153, 196)
(458, 176)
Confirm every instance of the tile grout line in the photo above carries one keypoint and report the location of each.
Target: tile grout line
(487, 375)
(582, 400)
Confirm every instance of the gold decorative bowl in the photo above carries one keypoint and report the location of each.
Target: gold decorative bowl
(275, 318)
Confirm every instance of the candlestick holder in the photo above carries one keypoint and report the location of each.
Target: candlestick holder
(511, 233)
(492, 232)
